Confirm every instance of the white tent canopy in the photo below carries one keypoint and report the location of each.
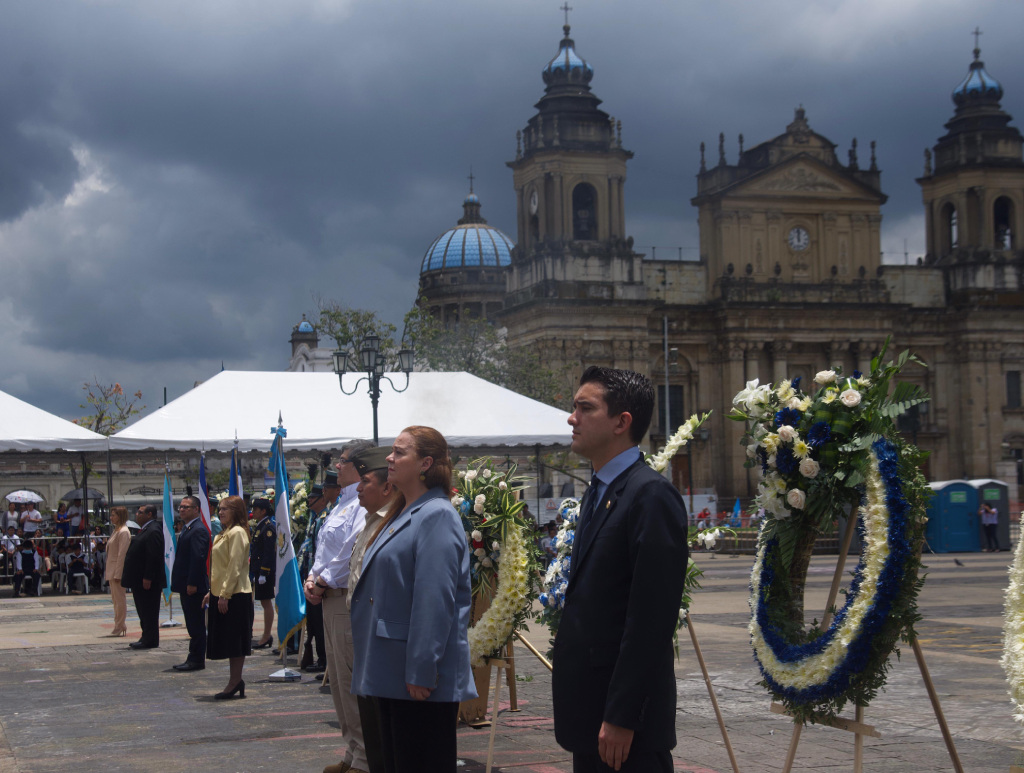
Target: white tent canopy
(23, 427)
(467, 410)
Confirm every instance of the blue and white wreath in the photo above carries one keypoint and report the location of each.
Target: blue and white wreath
(821, 670)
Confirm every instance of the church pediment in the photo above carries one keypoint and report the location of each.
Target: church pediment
(804, 177)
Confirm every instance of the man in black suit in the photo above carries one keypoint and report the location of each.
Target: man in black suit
(145, 575)
(613, 685)
(189, 578)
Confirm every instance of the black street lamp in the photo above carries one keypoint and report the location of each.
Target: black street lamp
(372, 363)
(703, 433)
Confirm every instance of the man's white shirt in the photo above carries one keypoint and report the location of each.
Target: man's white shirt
(335, 540)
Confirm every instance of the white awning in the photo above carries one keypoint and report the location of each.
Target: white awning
(468, 411)
(23, 427)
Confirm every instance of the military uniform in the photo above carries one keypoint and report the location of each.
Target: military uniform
(263, 558)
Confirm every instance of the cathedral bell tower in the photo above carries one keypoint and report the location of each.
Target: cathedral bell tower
(973, 190)
(572, 255)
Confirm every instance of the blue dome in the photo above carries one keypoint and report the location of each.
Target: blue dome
(567, 65)
(305, 327)
(472, 244)
(978, 85)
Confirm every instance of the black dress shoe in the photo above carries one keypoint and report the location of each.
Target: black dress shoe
(141, 645)
(188, 665)
(316, 668)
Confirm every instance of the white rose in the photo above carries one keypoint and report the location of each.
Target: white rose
(796, 498)
(457, 500)
(809, 468)
(786, 433)
(477, 536)
(480, 499)
(502, 485)
(850, 398)
(825, 377)
(478, 509)
(479, 552)
(487, 473)
(462, 473)
(495, 545)
(486, 562)
(471, 475)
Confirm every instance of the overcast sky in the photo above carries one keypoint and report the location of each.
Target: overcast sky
(179, 179)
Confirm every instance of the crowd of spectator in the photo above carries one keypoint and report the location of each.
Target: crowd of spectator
(57, 550)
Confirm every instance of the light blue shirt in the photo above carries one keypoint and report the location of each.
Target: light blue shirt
(613, 469)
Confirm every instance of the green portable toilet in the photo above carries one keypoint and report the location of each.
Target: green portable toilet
(953, 522)
(997, 494)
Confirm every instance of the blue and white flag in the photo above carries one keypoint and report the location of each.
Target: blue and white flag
(735, 521)
(235, 481)
(204, 495)
(170, 538)
(291, 603)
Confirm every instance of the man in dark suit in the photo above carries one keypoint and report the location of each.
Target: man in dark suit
(613, 685)
(145, 575)
(189, 578)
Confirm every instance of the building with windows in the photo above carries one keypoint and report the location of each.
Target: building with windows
(789, 281)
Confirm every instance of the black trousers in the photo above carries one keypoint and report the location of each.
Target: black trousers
(315, 630)
(991, 538)
(147, 605)
(195, 623)
(369, 720)
(636, 762)
(418, 736)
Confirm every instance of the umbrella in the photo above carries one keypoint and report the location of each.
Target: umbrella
(78, 493)
(22, 496)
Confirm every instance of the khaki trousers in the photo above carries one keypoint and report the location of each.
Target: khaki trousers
(117, 595)
(338, 637)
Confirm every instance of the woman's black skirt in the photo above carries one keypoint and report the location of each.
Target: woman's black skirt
(230, 635)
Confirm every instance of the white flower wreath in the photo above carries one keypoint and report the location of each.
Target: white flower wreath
(1013, 633)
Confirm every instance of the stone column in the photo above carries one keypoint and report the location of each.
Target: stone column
(780, 357)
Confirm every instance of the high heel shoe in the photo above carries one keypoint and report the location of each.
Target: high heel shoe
(119, 632)
(238, 688)
(263, 645)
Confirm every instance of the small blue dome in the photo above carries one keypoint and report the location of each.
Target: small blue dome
(472, 244)
(471, 199)
(978, 85)
(305, 327)
(567, 65)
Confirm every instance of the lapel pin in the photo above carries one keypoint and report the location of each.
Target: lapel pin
(608, 505)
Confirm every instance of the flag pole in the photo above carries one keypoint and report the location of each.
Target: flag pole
(170, 622)
(284, 600)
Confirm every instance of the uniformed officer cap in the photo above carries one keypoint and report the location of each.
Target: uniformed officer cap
(368, 459)
(331, 479)
(316, 492)
(263, 504)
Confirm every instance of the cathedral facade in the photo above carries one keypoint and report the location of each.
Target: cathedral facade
(789, 281)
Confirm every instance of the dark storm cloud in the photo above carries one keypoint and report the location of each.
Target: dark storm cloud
(178, 181)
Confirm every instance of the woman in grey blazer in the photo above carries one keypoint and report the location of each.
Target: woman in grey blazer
(410, 611)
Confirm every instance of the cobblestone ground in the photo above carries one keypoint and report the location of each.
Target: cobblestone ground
(76, 700)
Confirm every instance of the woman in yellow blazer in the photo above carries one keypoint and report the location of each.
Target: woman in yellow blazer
(117, 546)
(229, 623)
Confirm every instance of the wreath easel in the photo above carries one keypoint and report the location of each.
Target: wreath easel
(818, 454)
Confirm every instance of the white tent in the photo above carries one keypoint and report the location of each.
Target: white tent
(23, 427)
(467, 410)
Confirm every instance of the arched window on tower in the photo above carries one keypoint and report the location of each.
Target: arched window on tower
(584, 212)
(534, 229)
(950, 235)
(1003, 213)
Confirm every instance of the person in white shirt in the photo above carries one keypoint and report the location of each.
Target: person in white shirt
(31, 520)
(327, 583)
(75, 512)
(9, 545)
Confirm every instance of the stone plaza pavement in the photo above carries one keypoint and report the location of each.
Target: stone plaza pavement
(75, 700)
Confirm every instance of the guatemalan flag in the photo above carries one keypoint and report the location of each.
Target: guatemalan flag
(291, 604)
(235, 481)
(170, 538)
(204, 494)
